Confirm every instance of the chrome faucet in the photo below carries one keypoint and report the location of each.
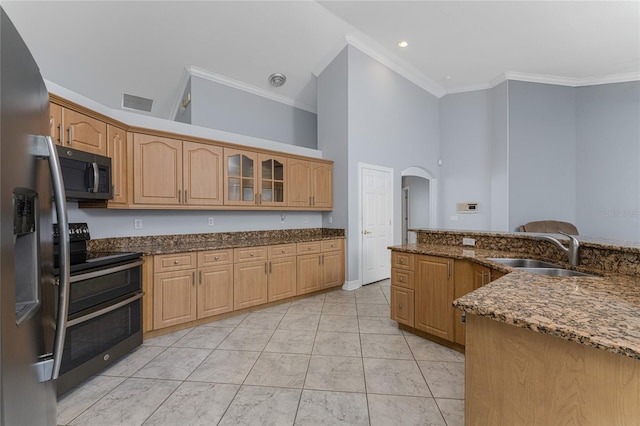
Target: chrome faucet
(572, 252)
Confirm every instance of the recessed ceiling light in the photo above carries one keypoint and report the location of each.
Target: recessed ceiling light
(447, 77)
(403, 43)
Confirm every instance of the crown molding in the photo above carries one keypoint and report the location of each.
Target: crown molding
(217, 78)
(405, 70)
(549, 79)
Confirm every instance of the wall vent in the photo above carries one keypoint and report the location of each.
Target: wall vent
(136, 102)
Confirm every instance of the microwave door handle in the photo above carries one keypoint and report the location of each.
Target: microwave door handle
(96, 177)
(64, 277)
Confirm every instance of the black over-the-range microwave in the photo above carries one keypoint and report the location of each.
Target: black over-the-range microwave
(86, 176)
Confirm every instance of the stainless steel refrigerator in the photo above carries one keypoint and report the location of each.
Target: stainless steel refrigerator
(32, 304)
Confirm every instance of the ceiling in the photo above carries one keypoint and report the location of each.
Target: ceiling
(103, 49)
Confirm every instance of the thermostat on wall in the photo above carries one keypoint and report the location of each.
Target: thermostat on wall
(467, 207)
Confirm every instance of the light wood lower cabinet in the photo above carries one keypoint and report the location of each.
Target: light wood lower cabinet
(469, 276)
(190, 286)
(402, 305)
(183, 291)
(434, 296)
(423, 289)
(320, 265)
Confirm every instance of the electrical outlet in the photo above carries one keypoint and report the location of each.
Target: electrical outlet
(137, 223)
(468, 241)
(282, 217)
(330, 220)
(211, 221)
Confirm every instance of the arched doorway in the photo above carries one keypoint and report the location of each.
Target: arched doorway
(419, 201)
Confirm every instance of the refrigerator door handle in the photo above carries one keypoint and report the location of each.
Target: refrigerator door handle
(64, 278)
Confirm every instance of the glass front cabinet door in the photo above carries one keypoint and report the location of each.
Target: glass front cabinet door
(240, 177)
(271, 186)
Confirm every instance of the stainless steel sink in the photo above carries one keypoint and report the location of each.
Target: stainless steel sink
(557, 272)
(523, 263)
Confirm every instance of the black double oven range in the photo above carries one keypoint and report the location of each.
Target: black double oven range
(105, 308)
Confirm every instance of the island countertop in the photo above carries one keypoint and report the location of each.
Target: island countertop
(602, 312)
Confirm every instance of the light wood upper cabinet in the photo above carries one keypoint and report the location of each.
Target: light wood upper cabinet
(272, 180)
(240, 177)
(310, 184)
(321, 185)
(56, 128)
(84, 133)
(202, 167)
(117, 150)
(434, 312)
(176, 173)
(157, 165)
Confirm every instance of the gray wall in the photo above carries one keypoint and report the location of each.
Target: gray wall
(499, 148)
(105, 223)
(465, 149)
(184, 114)
(391, 123)
(332, 134)
(608, 161)
(542, 147)
(225, 108)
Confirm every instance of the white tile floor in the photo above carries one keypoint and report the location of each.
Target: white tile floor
(330, 359)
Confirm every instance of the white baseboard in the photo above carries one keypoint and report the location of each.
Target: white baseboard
(352, 285)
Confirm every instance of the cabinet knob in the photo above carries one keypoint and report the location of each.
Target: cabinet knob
(283, 250)
(400, 306)
(216, 258)
(401, 279)
(251, 254)
(309, 248)
(175, 262)
(401, 261)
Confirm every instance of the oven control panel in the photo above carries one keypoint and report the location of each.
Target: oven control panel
(77, 232)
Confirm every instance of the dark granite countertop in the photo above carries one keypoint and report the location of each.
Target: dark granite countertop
(182, 243)
(602, 311)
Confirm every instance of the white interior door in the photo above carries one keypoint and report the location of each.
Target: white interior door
(377, 212)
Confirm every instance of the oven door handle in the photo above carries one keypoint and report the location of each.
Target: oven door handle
(60, 200)
(102, 272)
(106, 310)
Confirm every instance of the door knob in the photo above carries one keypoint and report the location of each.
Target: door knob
(366, 232)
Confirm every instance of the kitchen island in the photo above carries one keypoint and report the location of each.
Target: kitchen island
(548, 350)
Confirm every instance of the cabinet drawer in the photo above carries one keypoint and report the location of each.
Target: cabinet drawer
(402, 277)
(214, 257)
(309, 248)
(250, 253)
(402, 260)
(282, 250)
(331, 245)
(174, 262)
(402, 305)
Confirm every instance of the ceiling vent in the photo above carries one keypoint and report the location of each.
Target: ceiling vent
(136, 102)
(277, 79)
